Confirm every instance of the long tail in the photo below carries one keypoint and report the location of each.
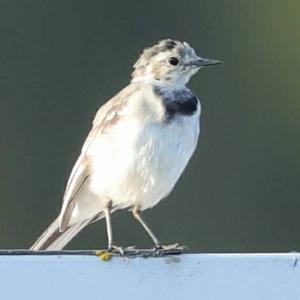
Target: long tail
(53, 239)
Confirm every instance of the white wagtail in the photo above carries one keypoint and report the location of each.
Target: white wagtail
(139, 145)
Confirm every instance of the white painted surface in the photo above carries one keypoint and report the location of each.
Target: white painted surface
(189, 276)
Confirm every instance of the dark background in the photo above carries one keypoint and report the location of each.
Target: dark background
(60, 60)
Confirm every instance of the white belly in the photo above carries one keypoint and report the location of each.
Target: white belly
(164, 158)
(145, 163)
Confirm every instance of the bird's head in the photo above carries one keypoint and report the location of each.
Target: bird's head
(169, 61)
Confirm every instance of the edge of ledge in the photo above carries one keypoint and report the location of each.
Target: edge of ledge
(140, 253)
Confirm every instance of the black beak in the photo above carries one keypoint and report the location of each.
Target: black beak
(204, 62)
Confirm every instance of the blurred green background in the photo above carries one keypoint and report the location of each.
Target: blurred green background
(60, 60)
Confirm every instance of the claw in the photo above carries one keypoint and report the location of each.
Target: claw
(169, 249)
(130, 248)
(116, 250)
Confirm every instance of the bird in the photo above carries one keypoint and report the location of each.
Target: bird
(140, 143)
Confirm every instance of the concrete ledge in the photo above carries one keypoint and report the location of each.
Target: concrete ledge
(186, 276)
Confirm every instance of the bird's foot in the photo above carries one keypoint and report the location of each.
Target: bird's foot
(116, 250)
(175, 248)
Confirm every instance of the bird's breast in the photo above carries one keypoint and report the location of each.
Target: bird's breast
(164, 152)
(140, 161)
(179, 102)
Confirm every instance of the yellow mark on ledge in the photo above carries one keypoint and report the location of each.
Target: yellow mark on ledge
(104, 255)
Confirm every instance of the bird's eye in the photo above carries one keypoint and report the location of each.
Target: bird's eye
(174, 61)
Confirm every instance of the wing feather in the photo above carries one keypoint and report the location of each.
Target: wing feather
(107, 117)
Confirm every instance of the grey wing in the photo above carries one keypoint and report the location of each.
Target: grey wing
(77, 192)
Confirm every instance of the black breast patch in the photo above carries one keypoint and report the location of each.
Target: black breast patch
(186, 108)
(180, 102)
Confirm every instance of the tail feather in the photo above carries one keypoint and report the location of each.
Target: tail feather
(53, 239)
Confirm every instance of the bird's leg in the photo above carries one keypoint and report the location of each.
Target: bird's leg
(110, 245)
(137, 216)
(159, 248)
